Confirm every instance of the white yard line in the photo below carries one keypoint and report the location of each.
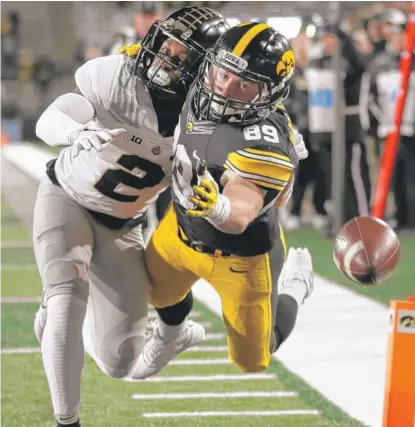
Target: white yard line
(207, 349)
(23, 350)
(229, 414)
(232, 395)
(196, 349)
(184, 362)
(203, 378)
(215, 336)
(16, 244)
(20, 300)
(19, 267)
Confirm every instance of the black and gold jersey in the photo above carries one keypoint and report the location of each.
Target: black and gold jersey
(262, 153)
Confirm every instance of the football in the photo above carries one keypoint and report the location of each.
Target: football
(366, 250)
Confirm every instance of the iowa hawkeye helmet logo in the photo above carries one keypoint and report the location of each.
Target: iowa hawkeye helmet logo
(286, 64)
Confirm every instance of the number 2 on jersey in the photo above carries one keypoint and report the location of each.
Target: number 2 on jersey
(114, 177)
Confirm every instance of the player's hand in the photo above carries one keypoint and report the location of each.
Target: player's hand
(93, 139)
(130, 49)
(205, 195)
(299, 146)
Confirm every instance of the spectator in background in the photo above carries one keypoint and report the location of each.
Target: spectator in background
(373, 27)
(143, 19)
(363, 44)
(321, 81)
(297, 107)
(379, 88)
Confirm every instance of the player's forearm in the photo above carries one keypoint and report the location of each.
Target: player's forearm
(63, 118)
(245, 201)
(240, 217)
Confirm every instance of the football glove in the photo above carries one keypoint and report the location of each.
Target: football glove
(299, 146)
(205, 194)
(84, 139)
(208, 202)
(131, 49)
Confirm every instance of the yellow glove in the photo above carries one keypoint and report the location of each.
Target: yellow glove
(131, 49)
(205, 198)
(208, 202)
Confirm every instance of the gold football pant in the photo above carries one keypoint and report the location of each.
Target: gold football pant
(247, 287)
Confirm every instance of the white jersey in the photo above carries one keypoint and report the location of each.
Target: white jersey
(128, 174)
(388, 85)
(321, 85)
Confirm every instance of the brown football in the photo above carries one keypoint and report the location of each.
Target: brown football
(366, 250)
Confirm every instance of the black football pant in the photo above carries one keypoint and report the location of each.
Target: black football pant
(403, 183)
(308, 173)
(357, 189)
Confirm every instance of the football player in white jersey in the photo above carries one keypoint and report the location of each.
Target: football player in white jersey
(118, 128)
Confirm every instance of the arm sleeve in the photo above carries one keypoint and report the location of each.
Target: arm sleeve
(67, 114)
(357, 65)
(369, 109)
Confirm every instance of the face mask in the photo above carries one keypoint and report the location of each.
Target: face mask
(159, 76)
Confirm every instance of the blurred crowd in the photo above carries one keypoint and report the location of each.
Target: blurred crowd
(370, 52)
(369, 62)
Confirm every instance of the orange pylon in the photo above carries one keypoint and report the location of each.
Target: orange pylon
(399, 403)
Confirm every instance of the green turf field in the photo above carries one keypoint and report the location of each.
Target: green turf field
(109, 403)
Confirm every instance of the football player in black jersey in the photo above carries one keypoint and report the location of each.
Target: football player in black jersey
(234, 161)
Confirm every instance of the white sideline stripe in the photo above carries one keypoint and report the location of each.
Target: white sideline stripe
(233, 395)
(20, 300)
(207, 349)
(200, 362)
(231, 377)
(27, 350)
(230, 413)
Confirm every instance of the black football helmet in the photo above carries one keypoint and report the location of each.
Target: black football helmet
(253, 56)
(195, 27)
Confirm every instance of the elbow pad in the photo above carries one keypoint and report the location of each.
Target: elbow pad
(66, 116)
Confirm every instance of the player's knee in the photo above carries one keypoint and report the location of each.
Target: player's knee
(250, 361)
(158, 300)
(249, 365)
(64, 276)
(119, 361)
(116, 372)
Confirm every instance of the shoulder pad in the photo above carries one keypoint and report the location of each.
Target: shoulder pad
(95, 78)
